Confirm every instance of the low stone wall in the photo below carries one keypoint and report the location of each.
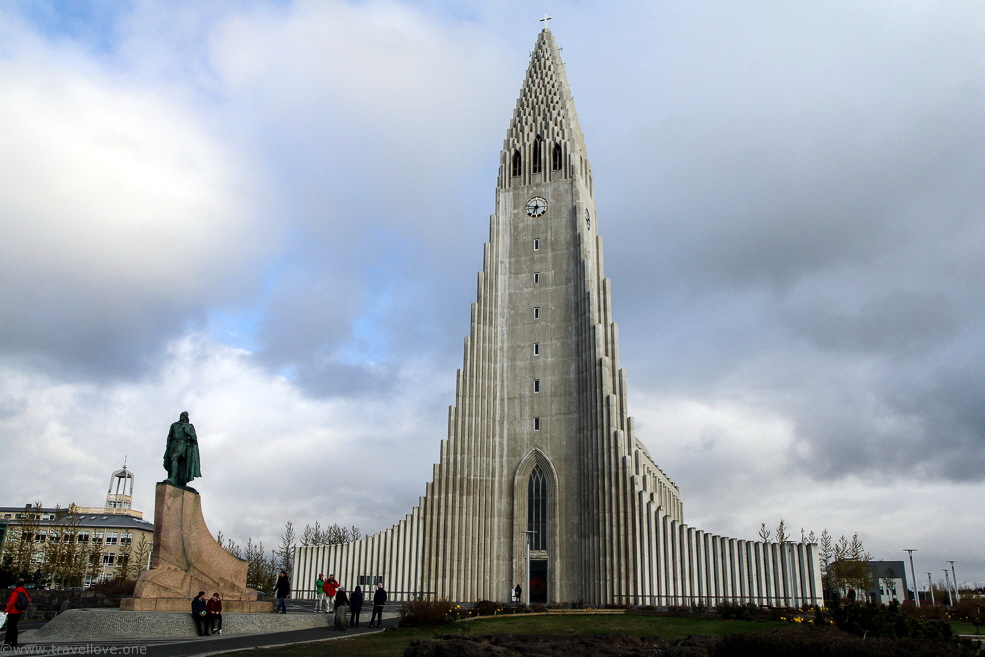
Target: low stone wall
(116, 625)
(45, 605)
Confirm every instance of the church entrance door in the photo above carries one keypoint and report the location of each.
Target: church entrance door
(538, 581)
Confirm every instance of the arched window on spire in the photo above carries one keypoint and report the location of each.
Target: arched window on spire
(538, 164)
(537, 509)
(556, 157)
(517, 165)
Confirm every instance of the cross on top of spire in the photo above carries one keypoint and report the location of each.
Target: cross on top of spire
(544, 20)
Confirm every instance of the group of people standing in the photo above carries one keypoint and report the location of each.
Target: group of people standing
(328, 592)
(207, 614)
(330, 596)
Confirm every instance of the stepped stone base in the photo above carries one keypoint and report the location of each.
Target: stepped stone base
(114, 624)
(187, 559)
(184, 605)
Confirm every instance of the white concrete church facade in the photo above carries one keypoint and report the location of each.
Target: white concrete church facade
(540, 447)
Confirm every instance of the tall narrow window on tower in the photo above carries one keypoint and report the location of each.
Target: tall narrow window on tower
(517, 164)
(556, 157)
(537, 509)
(538, 164)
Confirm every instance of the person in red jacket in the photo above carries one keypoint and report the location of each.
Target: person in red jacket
(330, 586)
(14, 612)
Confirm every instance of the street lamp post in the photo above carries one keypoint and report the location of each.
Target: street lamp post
(930, 586)
(916, 593)
(954, 578)
(526, 585)
(947, 583)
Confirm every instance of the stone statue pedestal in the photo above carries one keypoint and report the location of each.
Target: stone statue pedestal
(187, 559)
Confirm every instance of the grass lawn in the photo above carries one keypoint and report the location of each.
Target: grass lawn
(966, 628)
(392, 643)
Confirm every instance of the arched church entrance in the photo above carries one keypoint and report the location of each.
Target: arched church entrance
(537, 528)
(535, 522)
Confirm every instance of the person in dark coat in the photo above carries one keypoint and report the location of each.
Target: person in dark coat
(356, 605)
(379, 599)
(214, 606)
(282, 589)
(341, 602)
(200, 614)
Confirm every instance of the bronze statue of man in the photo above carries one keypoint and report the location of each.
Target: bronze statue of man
(181, 455)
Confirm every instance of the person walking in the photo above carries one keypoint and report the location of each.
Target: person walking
(341, 602)
(214, 607)
(319, 592)
(330, 586)
(379, 599)
(15, 608)
(200, 614)
(282, 589)
(356, 606)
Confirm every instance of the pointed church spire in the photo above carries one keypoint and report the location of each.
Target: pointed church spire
(541, 478)
(544, 141)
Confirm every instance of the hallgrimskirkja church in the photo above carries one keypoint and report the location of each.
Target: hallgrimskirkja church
(542, 479)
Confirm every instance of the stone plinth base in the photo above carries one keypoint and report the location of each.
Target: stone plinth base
(187, 559)
(185, 605)
(84, 625)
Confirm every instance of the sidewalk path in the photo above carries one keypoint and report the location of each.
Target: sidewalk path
(185, 646)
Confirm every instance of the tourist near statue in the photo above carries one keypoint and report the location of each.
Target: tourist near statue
(181, 455)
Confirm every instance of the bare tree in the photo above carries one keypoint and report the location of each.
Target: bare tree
(60, 561)
(261, 572)
(229, 545)
(334, 534)
(20, 547)
(141, 554)
(782, 536)
(94, 559)
(285, 553)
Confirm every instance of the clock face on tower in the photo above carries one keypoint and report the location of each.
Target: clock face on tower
(536, 206)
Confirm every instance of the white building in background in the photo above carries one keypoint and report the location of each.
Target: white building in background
(541, 452)
(114, 533)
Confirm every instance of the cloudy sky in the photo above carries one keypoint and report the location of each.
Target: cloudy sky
(271, 214)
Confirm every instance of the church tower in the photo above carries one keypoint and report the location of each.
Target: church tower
(541, 454)
(539, 439)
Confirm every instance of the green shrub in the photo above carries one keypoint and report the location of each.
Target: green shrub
(968, 610)
(823, 642)
(484, 608)
(427, 613)
(738, 610)
(887, 621)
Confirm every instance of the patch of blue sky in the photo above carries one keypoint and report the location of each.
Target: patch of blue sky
(236, 328)
(91, 22)
(370, 339)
